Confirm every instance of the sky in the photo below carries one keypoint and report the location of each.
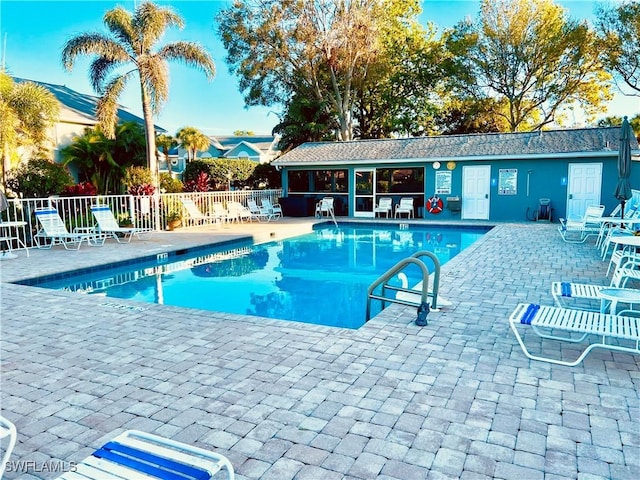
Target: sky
(33, 33)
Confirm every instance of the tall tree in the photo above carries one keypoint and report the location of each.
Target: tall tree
(529, 56)
(304, 120)
(132, 44)
(282, 47)
(166, 143)
(193, 141)
(27, 111)
(619, 28)
(396, 97)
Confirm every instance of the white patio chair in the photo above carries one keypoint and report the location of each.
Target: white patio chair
(385, 206)
(274, 209)
(137, 455)
(260, 214)
(325, 207)
(52, 228)
(222, 213)
(8, 431)
(405, 207)
(238, 212)
(108, 225)
(197, 216)
(585, 227)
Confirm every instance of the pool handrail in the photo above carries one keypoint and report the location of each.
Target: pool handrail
(383, 280)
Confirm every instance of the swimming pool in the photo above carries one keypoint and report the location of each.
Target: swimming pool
(320, 278)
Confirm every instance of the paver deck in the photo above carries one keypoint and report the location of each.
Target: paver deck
(286, 400)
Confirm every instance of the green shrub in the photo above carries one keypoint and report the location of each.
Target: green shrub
(193, 170)
(168, 184)
(138, 181)
(265, 175)
(221, 172)
(39, 178)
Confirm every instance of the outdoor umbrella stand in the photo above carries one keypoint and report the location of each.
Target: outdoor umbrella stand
(623, 188)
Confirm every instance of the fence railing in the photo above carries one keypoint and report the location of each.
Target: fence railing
(138, 211)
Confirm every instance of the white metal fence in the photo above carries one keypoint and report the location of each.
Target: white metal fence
(144, 211)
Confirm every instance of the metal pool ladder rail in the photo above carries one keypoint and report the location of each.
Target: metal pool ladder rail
(423, 305)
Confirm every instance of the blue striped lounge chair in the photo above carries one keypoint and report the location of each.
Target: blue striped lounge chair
(137, 455)
(612, 332)
(108, 225)
(53, 231)
(585, 296)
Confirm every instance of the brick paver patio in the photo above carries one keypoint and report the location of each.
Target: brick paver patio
(286, 400)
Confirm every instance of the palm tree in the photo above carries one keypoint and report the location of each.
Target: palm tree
(131, 43)
(166, 143)
(27, 111)
(193, 141)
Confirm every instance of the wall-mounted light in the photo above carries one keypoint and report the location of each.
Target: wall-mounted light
(563, 181)
(494, 182)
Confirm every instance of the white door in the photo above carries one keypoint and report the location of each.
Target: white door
(585, 181)
(476, 182)
(364, 180)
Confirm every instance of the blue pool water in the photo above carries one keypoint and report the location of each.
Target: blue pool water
(320, 278)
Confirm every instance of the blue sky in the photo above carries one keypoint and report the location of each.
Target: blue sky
(35, 32)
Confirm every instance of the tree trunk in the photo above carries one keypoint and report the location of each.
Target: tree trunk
(150, 136)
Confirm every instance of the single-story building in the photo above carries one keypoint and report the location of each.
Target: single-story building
(495, 176)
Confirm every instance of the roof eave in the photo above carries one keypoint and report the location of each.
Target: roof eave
(404, 161)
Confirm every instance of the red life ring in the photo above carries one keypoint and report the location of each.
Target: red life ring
(434, 205)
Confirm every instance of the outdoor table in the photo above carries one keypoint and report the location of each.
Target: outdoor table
(615, 295)
(8, 233)
(610, 221)
(626, 240)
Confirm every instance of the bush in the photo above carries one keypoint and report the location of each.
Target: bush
(168, 184)
(265, 175)
(193, 170)
(82, 189)
(218, 170)
(39, 178)
(138, 181)
(201, 184)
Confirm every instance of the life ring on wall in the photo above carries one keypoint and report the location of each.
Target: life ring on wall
(434, 205)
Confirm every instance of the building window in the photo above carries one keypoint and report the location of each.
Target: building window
(400, 180)
(318, 181)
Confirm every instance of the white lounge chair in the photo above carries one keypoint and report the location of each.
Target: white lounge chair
(108, 226)
(260, 214)
(405, 207)
(222, 213)
(274, 209)
(137, 455)
(585, 227)
(8, 431)
(603, 326)
(584, 296)
(55, 231)
(197, 216)
(385, 206)
(631, 221)
(238, 212)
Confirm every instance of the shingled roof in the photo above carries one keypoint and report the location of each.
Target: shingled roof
(587, 142)
(80, 108)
